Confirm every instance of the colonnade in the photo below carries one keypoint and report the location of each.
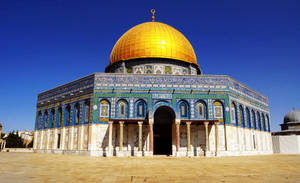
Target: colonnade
(151, 140)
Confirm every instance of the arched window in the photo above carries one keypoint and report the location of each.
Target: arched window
(141, 108)
(233, 113)
(123, 109)
(258, 121)
(201, 110)
(39, 120)
(263, 121)
(68, 117)
(248, 117)
(253, 120)
(46, 119)
(268, 123)
(77, 113)
(218, 111)
(184, 109)
(104, 110)
(241, 116)
(51, 121)
(87, 111)
(59, 117)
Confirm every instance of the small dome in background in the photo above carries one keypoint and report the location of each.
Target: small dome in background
(293, 116)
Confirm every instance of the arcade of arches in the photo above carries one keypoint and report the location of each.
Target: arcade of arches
(164, 133)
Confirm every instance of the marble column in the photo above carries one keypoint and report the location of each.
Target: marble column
(206, 138)
(121, 136)
(140, 123)
(188, 137)
(177, 123)
(151, 135)
(216, 137)
(110, 128)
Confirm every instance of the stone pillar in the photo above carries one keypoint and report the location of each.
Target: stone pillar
(177, 123)
(188, 137)
(151, 135)
(140, 123)
(216, 137)
(121, 136)
(206, 138)
(110, 128)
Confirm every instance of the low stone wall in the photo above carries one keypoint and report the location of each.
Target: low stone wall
(17, 150)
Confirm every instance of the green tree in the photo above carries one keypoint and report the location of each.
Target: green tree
(14, 141)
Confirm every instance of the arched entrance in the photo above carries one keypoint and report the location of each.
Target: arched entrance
(162, 129)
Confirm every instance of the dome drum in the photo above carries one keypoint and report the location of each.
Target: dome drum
(154, 66)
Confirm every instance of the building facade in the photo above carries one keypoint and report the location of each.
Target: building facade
(287, 141)
(153, 99)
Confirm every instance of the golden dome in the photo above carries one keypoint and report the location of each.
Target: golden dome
(153, 40)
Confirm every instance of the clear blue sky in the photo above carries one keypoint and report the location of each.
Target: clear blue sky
(44, 44)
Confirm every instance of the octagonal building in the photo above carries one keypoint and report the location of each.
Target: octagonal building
(153, 100)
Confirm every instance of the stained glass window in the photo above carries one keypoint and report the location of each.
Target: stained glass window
(233, 112)
(218, 111)
(86, 111)
(104, 109)
(122, 109)
(200, 110)
(183, 109)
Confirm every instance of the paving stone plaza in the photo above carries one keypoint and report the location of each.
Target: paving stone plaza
(38, 167)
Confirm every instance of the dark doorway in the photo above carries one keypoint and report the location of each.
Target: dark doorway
(58, 141)
(162, 129)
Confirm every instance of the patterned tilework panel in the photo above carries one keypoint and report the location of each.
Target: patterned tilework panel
(72, 88)
(153, 82)
(206, 82)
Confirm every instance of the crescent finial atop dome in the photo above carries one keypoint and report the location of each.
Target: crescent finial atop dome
(153, 12)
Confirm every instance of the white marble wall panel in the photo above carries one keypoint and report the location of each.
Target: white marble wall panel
(246, 137)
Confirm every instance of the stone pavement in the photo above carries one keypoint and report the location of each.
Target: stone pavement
(32, 167)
